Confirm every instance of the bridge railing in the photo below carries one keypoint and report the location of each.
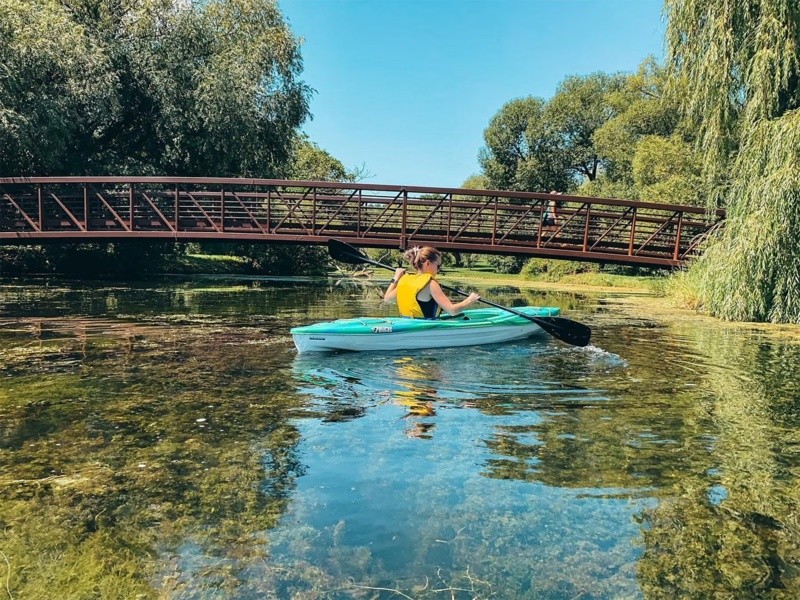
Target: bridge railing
(599, 229)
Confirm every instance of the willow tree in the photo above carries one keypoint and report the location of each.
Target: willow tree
(736, 66)
(53, 79)
(168, 87)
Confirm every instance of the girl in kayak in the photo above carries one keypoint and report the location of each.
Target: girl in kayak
(419, 295)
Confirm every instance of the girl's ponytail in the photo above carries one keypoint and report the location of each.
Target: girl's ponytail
(417, 256)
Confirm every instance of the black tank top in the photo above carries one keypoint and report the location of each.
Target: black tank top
(429, 308)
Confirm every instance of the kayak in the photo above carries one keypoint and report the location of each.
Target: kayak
(470, 328)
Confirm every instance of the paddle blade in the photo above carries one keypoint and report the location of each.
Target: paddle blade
(566, 330)
(346, 253)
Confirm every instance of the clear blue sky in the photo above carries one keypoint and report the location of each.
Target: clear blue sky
(406, 87)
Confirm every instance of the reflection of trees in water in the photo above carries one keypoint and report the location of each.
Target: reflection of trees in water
(615, 438)
(600, 447)
(715, 447)
(161, 449)
(220, 300)
(734, 531)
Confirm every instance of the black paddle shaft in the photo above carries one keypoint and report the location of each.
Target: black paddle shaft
(566, 330)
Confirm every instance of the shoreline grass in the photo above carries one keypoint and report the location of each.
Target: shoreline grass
(481, 273)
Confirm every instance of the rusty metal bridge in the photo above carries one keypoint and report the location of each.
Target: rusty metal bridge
(38, 209)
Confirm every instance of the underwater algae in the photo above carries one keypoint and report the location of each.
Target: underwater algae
(112, 454)
(166, 442)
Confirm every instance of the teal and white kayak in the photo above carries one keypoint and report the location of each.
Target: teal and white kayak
(470, 328)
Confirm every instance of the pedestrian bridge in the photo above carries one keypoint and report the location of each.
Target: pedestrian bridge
(79, 209)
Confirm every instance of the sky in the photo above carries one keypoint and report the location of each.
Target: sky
(405, 88)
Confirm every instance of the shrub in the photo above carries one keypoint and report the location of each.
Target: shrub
(507, 264)
(553, 270)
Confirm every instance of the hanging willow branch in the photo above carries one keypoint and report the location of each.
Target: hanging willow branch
(736, 68)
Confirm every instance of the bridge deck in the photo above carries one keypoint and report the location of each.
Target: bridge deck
(486, 221)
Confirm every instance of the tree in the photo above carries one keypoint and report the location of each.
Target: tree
(312, 163)
(641, 110)
(647, 154)
(667, 170)
(220, 80)
(148, 86)
(534, 145)
(54, 79)
(522, 152)
(579, 108)
(475, 182)
(737, 66)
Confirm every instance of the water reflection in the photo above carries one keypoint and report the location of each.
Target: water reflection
(447, 498)
(539, 379)
(634, 430)
(166, 441)
(539, 372)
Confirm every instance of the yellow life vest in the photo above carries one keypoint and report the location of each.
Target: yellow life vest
(407, 289)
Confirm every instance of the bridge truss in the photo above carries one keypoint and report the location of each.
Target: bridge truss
(38, 209)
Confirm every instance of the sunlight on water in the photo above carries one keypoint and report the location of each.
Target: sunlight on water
(164, 440)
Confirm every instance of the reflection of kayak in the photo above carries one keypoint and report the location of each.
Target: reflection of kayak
(470, 328)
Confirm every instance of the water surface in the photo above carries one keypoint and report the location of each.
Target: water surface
(164, 440)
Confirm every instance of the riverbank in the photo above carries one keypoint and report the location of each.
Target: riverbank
(14, 262)
(634, 284)
(482, 273)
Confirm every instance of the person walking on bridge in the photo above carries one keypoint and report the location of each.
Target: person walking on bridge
(550, 216)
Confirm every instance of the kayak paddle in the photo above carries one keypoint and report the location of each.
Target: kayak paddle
(566, 330)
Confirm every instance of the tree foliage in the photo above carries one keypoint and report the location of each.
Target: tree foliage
(579, 108)
(312, 163)
(522, 151)
(55, 80)
(738, 68)
(648, 155)
(153, 87)
(666, 169)
(538, 145)
(608, 135)
(148, 86)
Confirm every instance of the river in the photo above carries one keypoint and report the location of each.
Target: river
(163, 439)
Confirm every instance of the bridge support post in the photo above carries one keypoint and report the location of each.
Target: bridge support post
(222, 209)
(494, 221)
(269, 209)
(41, 204)
(633, 232)
(403, 229)
(586, 227)
(449, 216)
(86, 206)
(677, 253)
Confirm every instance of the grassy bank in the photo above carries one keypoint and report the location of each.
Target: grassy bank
(623, 283)
(212, 264)
(481, 273)
(557, 274)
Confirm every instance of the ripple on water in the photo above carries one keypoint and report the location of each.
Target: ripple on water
(524, 370)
